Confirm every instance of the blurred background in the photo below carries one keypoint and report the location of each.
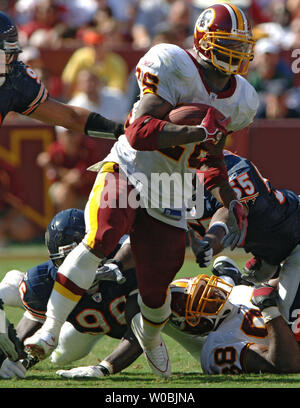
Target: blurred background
(85, 52)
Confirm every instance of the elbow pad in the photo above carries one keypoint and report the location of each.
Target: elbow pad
(144, 132)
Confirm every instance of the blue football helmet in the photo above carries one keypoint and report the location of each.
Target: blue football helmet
(65, 231)
(9, 38)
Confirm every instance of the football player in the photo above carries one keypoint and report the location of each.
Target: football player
(273, 233)
(21, 91)
(229, 329)
(210, 74)
(245, 330)
(101, 311)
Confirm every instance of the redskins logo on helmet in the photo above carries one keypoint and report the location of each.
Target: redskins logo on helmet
(224, 38)
(199, 304)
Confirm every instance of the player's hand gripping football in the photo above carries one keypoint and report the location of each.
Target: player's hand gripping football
(237, 225)
(214, 125)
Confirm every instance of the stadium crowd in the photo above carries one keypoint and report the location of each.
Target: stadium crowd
(85, 52)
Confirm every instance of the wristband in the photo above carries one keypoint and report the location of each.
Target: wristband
(270, 313)
(205, 133)
(99, 126)
(106, 368)
(220, 224)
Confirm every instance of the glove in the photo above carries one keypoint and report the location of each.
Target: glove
(214, 125)
(265, 298)
(111, 271)
(256, 270)
(6, 345)
(201, 249)
(81, 372)
(10, 369)
(237, 226)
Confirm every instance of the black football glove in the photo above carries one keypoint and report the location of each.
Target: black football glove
(201, 249)
(264, 296)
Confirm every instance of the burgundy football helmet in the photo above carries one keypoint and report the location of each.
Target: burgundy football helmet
(223, 37)
(199, 304)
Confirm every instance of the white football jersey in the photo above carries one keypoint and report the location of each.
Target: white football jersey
(223, 349)
(173, 74)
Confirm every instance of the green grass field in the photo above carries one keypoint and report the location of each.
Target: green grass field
(186, 372)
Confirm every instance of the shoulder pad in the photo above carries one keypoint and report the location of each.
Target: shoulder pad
(30, 91)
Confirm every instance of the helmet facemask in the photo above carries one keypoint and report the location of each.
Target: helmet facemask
(229, 53)
(207, 301)
(9, 52)
(63, 251)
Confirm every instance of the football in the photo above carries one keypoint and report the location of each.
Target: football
(189, 114)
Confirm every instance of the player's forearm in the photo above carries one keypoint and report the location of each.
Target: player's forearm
(147, 133)
(27, 328)
(127, 351)
(214, 236)
(77, 119)
(224, 193)
(284, 352)
(174, 135)
(125, 257)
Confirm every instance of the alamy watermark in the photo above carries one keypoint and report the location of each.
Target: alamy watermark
(170, 193)
(296, 63)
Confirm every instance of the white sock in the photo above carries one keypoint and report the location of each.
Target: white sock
(148, 324)
(80, 268)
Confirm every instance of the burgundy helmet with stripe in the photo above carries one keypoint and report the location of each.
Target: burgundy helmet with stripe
(223, 37)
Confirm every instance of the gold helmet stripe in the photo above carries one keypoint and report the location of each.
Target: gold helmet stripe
(240, 20)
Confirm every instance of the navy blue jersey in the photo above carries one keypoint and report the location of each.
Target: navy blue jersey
(103, 312)
(22, 91)
(274, 215)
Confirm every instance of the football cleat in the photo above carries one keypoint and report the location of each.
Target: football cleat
(40, 345)
(155, 350)
(158, 360)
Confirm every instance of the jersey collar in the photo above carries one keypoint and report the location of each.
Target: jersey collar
(219, 95)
